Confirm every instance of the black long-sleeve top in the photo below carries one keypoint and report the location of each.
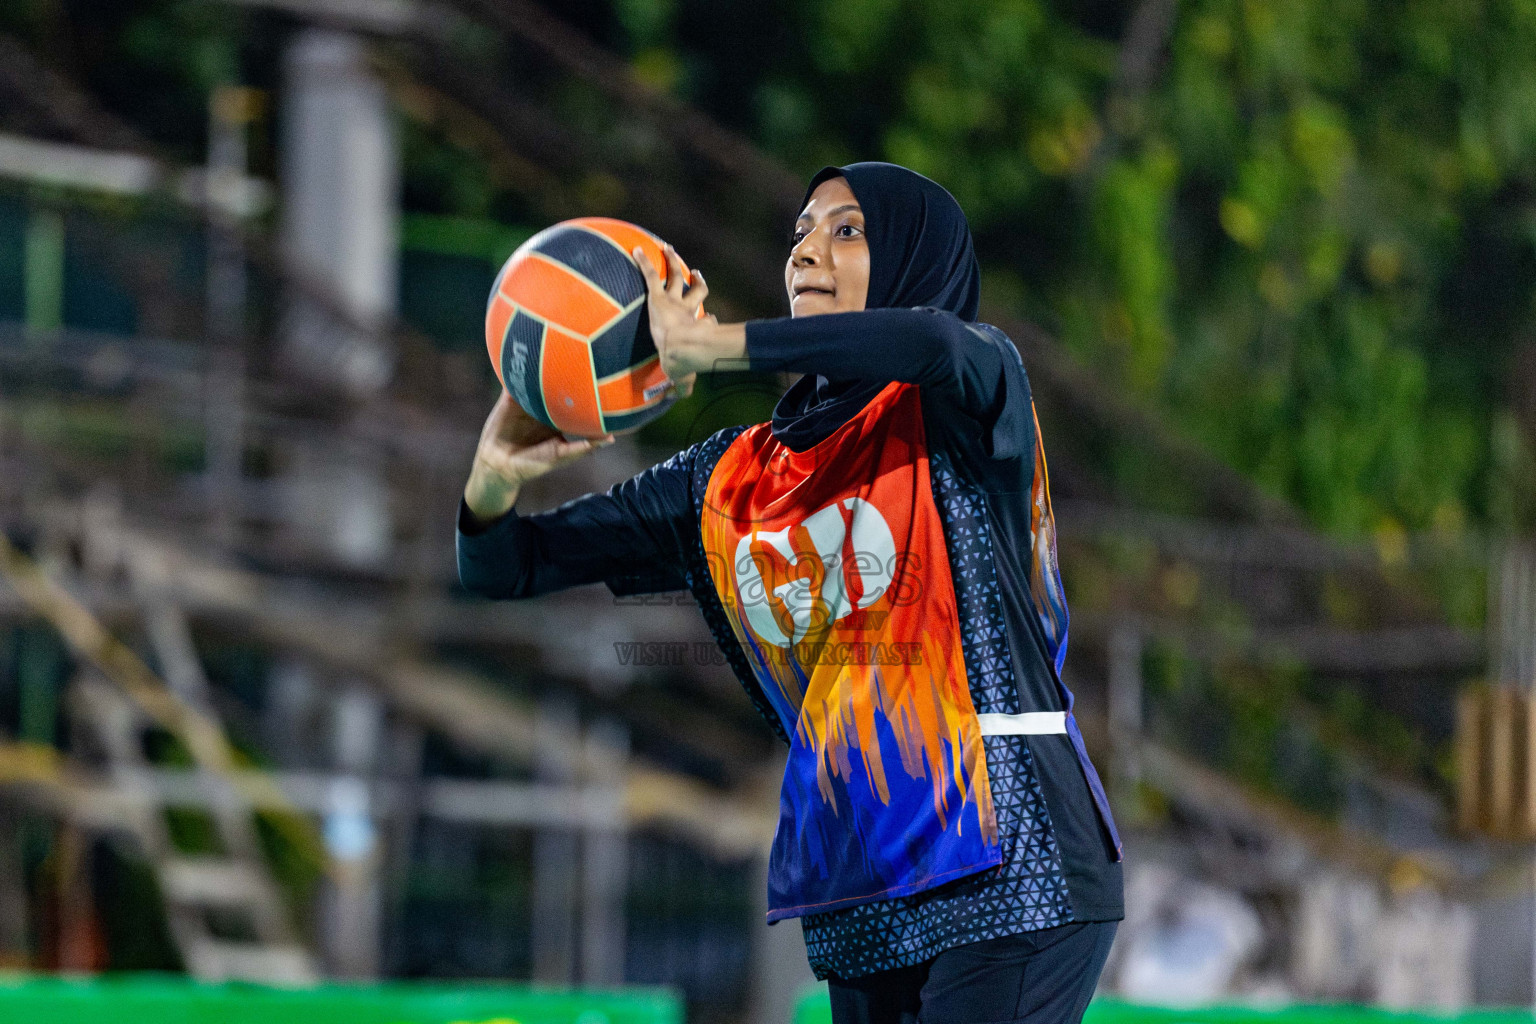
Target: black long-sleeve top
(643, 535)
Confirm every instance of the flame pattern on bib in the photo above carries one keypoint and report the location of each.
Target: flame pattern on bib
(832, 569)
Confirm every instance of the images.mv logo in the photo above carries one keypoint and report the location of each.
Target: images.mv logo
(818, 589)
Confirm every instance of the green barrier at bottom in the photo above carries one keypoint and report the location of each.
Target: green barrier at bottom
(814, 1009)
(155, 1000)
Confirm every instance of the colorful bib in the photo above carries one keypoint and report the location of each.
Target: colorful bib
(832, 569)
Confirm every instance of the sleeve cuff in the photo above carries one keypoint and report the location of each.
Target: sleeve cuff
(469, 527)
(1012, 434)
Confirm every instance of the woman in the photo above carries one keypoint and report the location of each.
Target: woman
(878, 565)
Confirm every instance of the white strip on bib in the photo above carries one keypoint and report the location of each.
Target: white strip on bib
(1031, 723)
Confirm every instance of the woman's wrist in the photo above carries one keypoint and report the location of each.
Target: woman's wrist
(489, 496)
(706, 346)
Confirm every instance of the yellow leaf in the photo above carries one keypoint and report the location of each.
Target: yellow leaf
(1242, 222)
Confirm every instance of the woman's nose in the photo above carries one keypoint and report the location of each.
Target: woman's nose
(805, 254)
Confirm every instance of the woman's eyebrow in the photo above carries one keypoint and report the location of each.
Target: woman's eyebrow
(834, 211)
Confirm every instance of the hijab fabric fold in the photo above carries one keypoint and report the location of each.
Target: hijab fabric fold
(920, 254)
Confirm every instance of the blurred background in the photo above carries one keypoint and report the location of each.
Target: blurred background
(1271, 265)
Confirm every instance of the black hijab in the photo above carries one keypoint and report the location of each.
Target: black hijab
(920, 254)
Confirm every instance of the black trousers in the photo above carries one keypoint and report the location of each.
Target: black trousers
(1039, 977)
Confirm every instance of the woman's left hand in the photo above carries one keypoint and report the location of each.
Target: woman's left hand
(674, 317)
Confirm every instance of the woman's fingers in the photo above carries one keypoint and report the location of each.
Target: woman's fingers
(669, 310)
(509, 426)
(556, 452)
(564, 450)
(677, 274)
(698, 291)
(502, 414)
(648, 271)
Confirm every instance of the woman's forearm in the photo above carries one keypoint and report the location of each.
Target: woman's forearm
(496, 556)
(706, 347)
(635, 530)
(916, 346)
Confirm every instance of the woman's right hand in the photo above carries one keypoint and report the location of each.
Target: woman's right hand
(515, 448)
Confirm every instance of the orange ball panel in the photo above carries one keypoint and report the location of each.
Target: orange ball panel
(555, 294)
(625, 392)
(570, 392)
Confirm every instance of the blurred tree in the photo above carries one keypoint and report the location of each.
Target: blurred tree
(151, 62)
(1302, 229)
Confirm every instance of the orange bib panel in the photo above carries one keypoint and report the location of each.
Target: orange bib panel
(833, 571)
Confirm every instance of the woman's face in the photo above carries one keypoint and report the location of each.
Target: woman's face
(828, 268)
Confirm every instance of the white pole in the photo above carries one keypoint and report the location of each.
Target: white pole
(229, 109)
(555, 851)
(606, 860)
(1125, 710)
(340, 216)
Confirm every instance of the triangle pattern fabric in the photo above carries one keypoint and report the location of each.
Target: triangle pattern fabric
(1028, 891)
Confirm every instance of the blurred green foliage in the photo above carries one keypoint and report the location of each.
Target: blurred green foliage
(1301, 229)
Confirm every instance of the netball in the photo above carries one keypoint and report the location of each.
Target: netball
(566, 328)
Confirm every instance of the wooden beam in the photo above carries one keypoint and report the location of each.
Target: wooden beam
(1500, 764)
(466, 707)
(1469, 759)
(111, 172)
